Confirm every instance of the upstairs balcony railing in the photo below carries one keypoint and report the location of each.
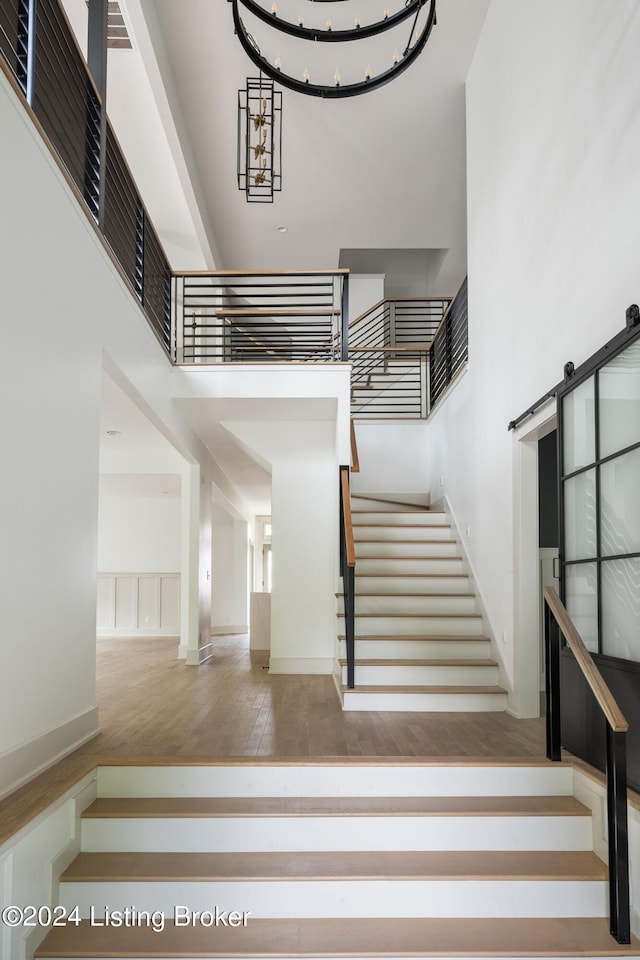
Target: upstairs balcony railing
(260, 317)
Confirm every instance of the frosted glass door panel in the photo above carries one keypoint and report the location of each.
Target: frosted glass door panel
(582, 602)
(579, 427)
(580, 516)
(620, 505)
(621, 608)
(620, 402)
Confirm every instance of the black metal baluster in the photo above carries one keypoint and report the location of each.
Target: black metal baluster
(619, 907)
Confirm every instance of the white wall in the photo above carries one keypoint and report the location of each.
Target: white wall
(393, 458)
(139, 534)
(230, 569)
(56, 335)
(553, 139)
(304, 511)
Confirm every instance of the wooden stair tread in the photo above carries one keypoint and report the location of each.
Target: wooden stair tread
(402, 558)
(434, 639)
(422, 688)
(379, 937)
(456, 596)
(193, 807)
(338, 865)
(405, 526)
(416, 509)
(441, 616)
(396, 503)
(418, 576)
(413, 540)
(372, 662)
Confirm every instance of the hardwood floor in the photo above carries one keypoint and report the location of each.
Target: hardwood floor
(154, 707)
(151, 704)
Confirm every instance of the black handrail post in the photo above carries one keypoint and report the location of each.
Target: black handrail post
(31, 52)
(349, 592)
(552, 684)
(97, 63)
(619, 906)
(343, 546)
(344, 320)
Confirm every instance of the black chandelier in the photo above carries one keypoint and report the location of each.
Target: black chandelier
(417, 16)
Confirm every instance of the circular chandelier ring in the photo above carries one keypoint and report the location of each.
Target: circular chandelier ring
(337, 91)
(333, 36)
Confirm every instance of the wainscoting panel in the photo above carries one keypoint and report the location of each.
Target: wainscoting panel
(144, 604)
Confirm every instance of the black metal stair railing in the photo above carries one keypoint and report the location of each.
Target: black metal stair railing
(348, 572)
(389, 350)
(450, 347)
(557, 624)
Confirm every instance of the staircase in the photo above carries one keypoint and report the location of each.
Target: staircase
(419, 636)
(371, 859)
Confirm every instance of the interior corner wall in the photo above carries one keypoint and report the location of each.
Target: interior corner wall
(65, 307)
(553, 137)
(393, 458)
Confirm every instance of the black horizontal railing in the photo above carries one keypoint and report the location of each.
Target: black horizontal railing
(450, 347)
(39, 48)
(259, 316)
(390, 350)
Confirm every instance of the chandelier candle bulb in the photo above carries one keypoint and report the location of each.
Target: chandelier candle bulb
(336, 77)
(396, 56)
(278, 63)
(386, 13)
(274, 9)
(357, 22)
(329, 25)
(367, 73)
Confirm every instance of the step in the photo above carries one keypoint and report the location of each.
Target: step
(419, 648)
(405, 517)
(405, 604)
(418, 502)
(433, 938)
(418, 673)
(412, 532)
(425, 699)
(351, 778)
(410, 583)
(402, 625)
(334, 884)
(445, 567)
(227, 824)
(432, 549)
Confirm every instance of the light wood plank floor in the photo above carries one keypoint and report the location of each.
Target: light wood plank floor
(154, 707)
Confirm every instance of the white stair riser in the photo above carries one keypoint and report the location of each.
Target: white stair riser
(390, 548)
(449, 606)
(421, 702)
(441, 567)
(436, 626)
(248, 834)
(420, 584)
(363, 532)
(421, 675)
(396, 502)
(426, 518)
(349, 898)
(335, 780)
(408, 649)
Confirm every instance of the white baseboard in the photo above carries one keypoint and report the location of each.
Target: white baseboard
(312, 665)
(25, 762)
(226, 629)
(193, 657)
(151, 632)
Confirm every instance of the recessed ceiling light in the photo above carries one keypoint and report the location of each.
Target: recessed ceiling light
(282, 229)
(113, 433)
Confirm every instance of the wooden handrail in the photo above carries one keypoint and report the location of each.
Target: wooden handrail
(333, 272)
(348, 524)
(355, 461)
(592, 675)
